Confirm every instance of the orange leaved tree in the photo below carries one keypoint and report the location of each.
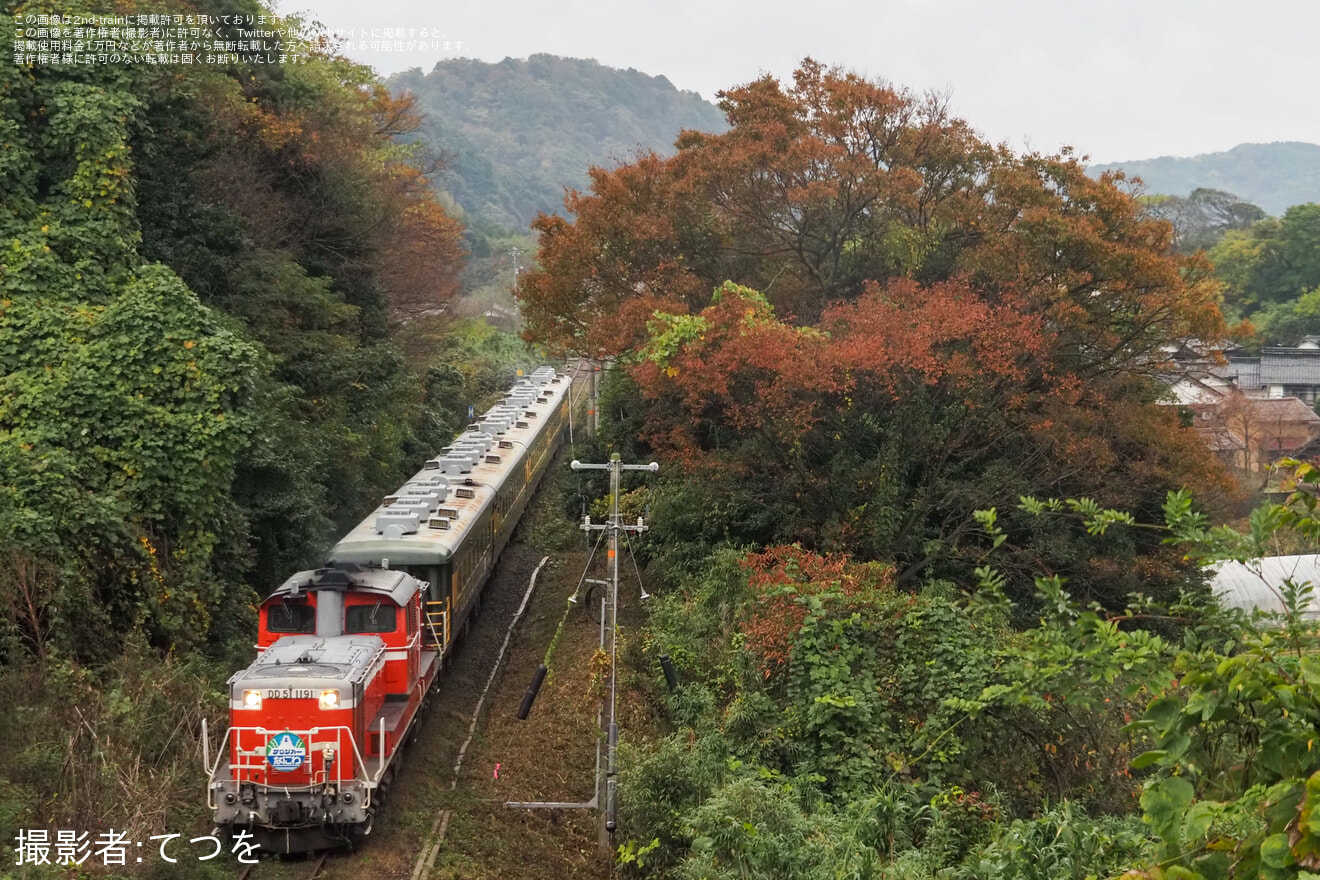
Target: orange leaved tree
(916, 324)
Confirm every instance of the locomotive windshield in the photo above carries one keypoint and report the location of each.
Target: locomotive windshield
(291, 617)
(378, 618)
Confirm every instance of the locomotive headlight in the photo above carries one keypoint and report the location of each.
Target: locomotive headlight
(329, 699)
(251, 699)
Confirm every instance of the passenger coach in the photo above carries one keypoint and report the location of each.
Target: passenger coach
(348, 654)
(483, 480)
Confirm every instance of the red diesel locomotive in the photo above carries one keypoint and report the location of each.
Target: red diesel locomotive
(348, 653)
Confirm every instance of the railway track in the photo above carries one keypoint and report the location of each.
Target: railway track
(420, 832)
(491, 662)
(435, 839)
(317, 865)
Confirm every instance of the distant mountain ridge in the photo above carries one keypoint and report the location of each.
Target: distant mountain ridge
(520, 131)
(1274, 176)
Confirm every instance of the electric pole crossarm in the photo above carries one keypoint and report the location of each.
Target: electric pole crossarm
(580, 466)
(615, 527)
(606, 782)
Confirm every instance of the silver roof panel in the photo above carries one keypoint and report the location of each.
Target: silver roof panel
(397, 585)
(1260, 585)
(435, 546)
(312, 661)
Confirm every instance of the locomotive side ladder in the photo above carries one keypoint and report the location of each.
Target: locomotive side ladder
(437, 624)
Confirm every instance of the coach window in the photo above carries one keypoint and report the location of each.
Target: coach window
(291, 617)
(381, 617)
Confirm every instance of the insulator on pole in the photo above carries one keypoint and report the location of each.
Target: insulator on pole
(532, 690)
(611, 807)
(671, 674)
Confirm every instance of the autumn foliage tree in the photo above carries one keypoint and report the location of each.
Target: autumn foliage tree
(282, 196)
(203, 268)
(919, 324)
(200, 271)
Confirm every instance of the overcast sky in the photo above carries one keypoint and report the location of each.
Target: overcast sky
(1117, 80)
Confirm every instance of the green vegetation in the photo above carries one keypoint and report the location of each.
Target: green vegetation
(1203, 218)
(206, 275)
(510, 138)
(864, 343)
(830, 725)
(1271, 274)
(1275, 176)
(498, 259)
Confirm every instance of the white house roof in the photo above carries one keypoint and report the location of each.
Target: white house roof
(1260, 585)
(1203, 388)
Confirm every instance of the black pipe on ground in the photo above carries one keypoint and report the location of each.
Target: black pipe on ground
(528, 698)
(671, 674)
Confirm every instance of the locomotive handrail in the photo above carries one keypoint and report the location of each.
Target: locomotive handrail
(499, 491)
(339, 729)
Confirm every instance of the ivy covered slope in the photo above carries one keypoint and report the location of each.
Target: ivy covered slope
(200, 273)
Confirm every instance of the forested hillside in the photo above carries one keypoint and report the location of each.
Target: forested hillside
(1274, 176)
(520, 131)
(204, 272)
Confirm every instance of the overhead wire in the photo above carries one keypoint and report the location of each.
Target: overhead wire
(572, 443)
(627, 538)
(572, 600)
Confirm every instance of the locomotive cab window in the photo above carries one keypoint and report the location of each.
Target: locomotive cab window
(383, 617)
(291, 617)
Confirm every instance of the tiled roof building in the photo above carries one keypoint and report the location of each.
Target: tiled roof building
(1277, 372)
